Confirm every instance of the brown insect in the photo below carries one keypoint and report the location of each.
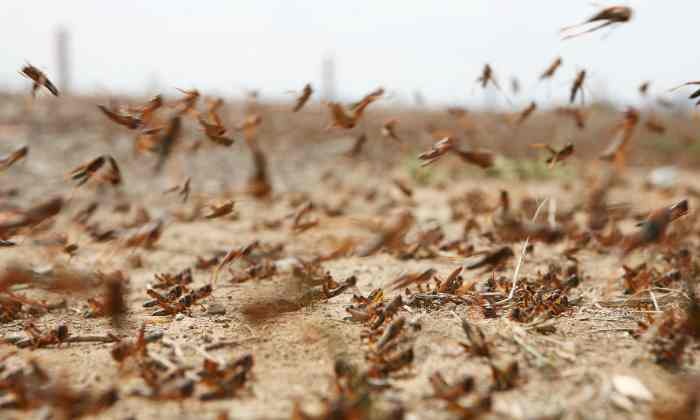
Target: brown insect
(391, 235)
(653, 229)
(39, 79)
(182, 190)
(174, 303)
(9, 160)
(389, 129)
(298, 225)
(259, 181)
(225, 380)
(368, 98)
(85, 172)
(477, 345)
(525, 114)
(214, 129)
(577, 86)
(167, 141)
(303, 98)
(357, 146)
(145, 235)
(505, 374)
(32, 216)
(127, 120)
(555, 155)
(250, 122)
(617, 148)
(343, 119)
(438, 150)
(331, 288)
(552, 69)
(188, 103)
(574, 113)
(494, 259)
(482, 159)
(55, 336)
(147, 111)
(655, 126)
(442, 390)
(220, 210)
(165, 280)
(412, 278)
(401, 185)
(609, 16)
(112, 303)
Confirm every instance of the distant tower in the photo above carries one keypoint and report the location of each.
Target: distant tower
(63, 59)
(328, 78)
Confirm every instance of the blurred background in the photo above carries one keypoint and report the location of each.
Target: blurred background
(345, 49)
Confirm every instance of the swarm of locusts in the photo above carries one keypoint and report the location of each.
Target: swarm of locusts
(332, 259)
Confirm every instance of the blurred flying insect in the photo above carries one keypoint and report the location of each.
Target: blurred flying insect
(694, 95)
(85, 172)
(147, 111)
(389, 129)
(577, 87)
(574, 113)
(609, 16)
(303, 98)
(348, 120)
(127, 120)
(368, 98)
(357, 146)
(514, 85)
(644, 88)
(616, 150)
(214, 129)
(555, 155)
(39, 78)
(552, 69)
(487, 76)
(167, 141)
(493, 260)
(9, 160)
(525, 114)
(438, 150)
(483, 159)
(188, 103)
(183, 190)
(653, 229)
(654, 125)
(219, 210)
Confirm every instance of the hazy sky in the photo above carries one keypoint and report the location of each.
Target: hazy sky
(437, 47)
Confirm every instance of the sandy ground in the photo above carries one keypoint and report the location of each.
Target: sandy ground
(566, 373)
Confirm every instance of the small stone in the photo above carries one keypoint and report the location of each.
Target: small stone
(216, 309)
(179, 317)
(154, 335)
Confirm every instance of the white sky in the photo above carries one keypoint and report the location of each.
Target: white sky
(437, 47)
